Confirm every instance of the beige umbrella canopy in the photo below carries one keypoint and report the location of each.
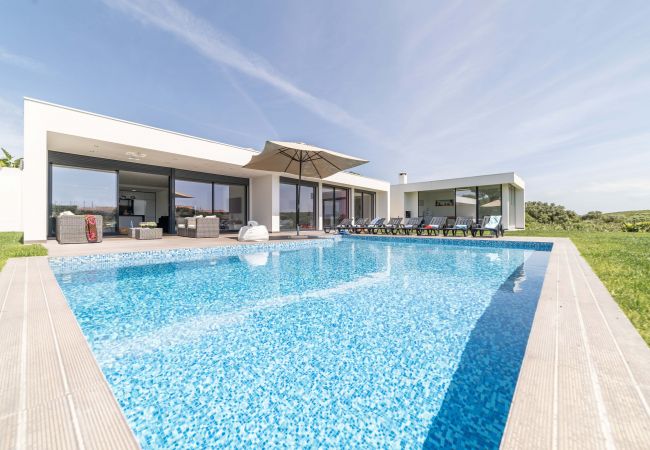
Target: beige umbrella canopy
(301, 159)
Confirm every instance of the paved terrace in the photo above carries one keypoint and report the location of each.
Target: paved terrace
(584, 382)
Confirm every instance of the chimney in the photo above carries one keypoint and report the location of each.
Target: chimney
(402, 178)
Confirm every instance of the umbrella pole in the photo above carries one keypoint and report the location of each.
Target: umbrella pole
(298, 197)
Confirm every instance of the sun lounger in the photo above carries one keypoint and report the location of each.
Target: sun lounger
(411, 224)
(434, 226)
(393, 225)
(360, 224)
(374, 226)
(463, 224)
(490, 224)
(343, 225)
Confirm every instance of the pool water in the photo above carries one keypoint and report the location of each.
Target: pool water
(351, 343)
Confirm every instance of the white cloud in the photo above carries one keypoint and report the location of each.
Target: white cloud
(221, 49)
(19, 61)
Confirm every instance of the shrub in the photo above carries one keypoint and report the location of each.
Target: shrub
(550, 213)
(541, 216)
(634, 227)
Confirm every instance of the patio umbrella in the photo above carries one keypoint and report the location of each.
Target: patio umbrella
(301, 159)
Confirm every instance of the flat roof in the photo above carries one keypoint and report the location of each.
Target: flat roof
(448, 183)
(56, 105)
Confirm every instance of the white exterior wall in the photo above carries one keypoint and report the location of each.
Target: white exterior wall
(54, 127)
(404, 197)
(265, 201)
(410, 204)
(11, 202)
(520, 214)
(505, 207)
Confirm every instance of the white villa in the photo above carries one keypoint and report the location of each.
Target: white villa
(128, 172)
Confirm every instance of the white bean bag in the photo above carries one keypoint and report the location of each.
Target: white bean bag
(253, 232)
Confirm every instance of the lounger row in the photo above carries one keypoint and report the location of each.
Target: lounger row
(417, 225)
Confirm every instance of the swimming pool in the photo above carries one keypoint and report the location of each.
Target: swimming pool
(354, 342)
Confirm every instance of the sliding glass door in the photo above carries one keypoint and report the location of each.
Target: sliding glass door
(229, 203)
(226, 201)
(84, 191)
(288, 205)
(336, 203)
(489, 201)
(364, 205)
(193, 198)
(466, 202)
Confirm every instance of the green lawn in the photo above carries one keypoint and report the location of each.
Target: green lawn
(11, 246)
(622, 262)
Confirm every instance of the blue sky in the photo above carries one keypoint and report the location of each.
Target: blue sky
(556, 91)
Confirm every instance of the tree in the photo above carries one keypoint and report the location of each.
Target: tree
(550, 213)
(9, 161)
(593, 215)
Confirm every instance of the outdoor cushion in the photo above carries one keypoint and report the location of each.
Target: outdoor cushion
(493, 222)
(461, 227)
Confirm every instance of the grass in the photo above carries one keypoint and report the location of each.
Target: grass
(11, 246)
(622, 262)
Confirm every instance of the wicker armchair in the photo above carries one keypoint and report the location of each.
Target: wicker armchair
(203, 227)
(72, 229)
(181, 226)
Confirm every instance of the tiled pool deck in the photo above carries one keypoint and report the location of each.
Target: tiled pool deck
(584, 382)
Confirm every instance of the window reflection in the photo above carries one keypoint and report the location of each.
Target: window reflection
(193, 198)
(364, 205)
(335, 205)
(307, 219)
(230, 206)
(466, 202)
(84, 191)
(489, 198)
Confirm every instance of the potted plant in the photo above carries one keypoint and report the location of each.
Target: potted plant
(148, 225)
(148, 230)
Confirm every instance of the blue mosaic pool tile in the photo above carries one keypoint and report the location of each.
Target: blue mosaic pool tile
(131, 259)
(345, 343)
(495, 243)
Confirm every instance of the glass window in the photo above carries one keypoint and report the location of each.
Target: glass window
(307, 219)
(466, 202)
(489, 201)
(341, 204)
(230, 205)
(193, 198)
(335, 205)
(287, 206)
(358, 205)
(364, 205)
(368, 205)
(84, 191)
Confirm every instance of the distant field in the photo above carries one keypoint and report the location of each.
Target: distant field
(639, 212)
(622, 262)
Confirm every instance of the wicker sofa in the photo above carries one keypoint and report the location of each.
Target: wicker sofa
(72, 229)
(202, 227)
